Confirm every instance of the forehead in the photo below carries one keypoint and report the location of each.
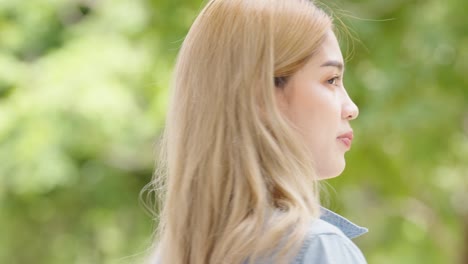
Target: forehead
(329, 50)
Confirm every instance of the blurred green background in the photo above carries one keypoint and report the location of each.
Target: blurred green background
(83, 91)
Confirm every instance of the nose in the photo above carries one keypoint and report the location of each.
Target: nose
(350, 110)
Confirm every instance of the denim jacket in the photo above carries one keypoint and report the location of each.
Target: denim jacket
(329, 241)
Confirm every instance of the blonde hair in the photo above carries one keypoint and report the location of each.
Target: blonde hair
(239, 183)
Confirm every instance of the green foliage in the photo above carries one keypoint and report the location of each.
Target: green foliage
(83, 88)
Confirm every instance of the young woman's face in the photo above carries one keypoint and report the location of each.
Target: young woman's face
(316, 102)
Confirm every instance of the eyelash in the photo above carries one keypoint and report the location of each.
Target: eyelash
(333, 80)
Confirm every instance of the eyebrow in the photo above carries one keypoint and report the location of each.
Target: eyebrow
(333, 63)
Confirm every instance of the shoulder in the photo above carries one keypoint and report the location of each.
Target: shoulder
(326, 243)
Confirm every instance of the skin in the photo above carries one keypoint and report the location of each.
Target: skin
(315, 100)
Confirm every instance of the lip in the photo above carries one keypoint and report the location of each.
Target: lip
(346, 138)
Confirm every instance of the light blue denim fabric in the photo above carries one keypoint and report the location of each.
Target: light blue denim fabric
(329, 241)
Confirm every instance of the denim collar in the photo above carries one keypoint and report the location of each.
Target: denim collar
(350, 229)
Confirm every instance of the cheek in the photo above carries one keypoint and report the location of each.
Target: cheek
(310, 117)
(325, 154)
(316, 114)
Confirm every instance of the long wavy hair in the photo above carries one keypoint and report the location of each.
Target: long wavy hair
(237, 181)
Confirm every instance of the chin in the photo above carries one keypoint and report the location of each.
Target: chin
(333, 171)
(326, 177)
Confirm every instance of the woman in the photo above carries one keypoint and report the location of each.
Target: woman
(258, 116)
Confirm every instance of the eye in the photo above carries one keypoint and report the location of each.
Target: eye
(334, 80)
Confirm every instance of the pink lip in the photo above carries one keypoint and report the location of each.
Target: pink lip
(347, 138)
